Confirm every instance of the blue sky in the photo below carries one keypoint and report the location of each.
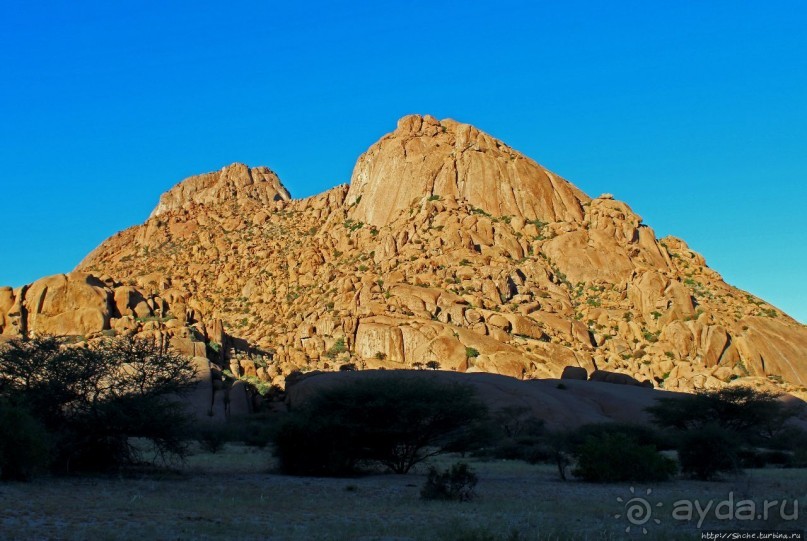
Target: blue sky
(695, 113)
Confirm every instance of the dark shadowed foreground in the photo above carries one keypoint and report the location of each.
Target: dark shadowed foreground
(230, 495)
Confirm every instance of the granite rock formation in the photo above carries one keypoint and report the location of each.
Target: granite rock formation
(447, 246)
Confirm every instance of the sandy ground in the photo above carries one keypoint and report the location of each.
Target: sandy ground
(233, 495)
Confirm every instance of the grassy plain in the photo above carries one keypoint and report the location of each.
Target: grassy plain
(233, 494)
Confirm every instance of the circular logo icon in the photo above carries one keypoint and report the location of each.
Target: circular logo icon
(637, 510)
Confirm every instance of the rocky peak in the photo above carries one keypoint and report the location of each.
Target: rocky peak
(447, 246)
(428, 158)
(235, 182)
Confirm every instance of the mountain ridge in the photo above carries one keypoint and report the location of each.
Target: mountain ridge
(485, 262)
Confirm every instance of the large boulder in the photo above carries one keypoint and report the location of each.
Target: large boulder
(239, 400)
(7, 301)
(380, 339)
(68, 304)
(199, 400)
(574, 372)
(771, 347)
(606, 376)
(425, 157)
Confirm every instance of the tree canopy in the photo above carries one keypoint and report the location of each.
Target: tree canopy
(92, 399)
(395, 422)
(746, 411)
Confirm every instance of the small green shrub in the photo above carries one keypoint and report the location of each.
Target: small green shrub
(610, 458)
(353, 226)
(471, 352)
(337, 348)
(457, 484)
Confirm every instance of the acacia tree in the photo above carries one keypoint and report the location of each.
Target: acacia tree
(750, 413)
(93, 399)
(716, 426)
(394, 421)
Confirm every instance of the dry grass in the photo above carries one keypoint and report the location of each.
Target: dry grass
(232, 495)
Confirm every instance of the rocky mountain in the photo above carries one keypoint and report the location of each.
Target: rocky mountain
(447, 246)
(427, 158)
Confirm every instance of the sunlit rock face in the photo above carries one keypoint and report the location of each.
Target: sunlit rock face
(447, 246)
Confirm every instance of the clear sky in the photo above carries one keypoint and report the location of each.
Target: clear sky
(695, 113)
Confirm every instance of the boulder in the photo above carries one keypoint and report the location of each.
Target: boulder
(76, 304)
(455, 160)
(606, 376)
(240, 404)
(374, 338)
(199, 400)
(574, 372)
